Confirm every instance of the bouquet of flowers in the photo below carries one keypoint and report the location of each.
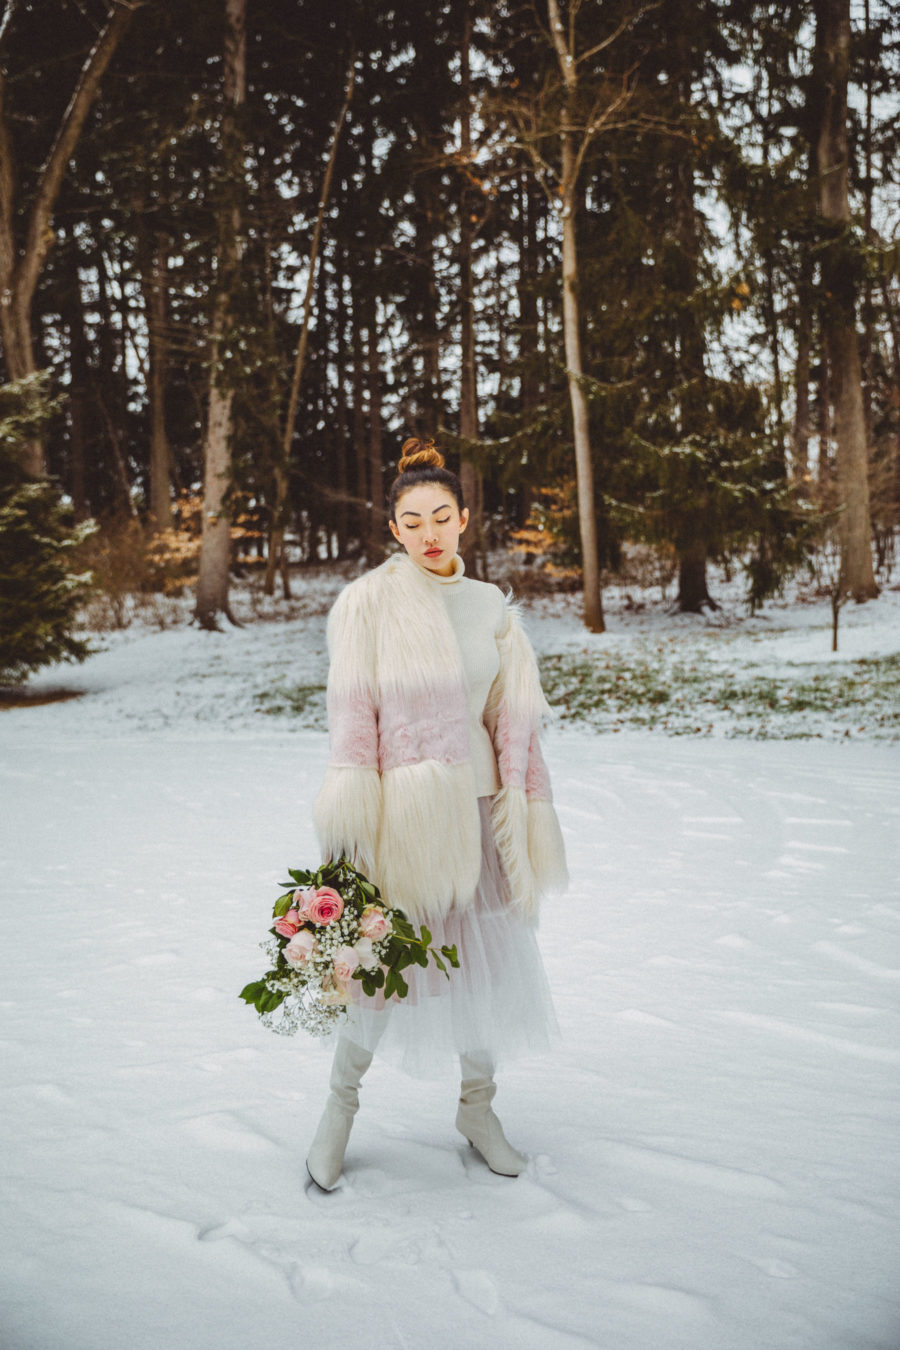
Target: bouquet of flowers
(331, 928)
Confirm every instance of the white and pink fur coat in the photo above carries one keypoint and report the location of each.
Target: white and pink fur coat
(399, 793)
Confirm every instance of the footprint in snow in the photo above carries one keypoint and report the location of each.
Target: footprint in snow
(477, 1288)
(231, 1228)
(311, 1284)
(664, 1301)
(778, 1270)
(223, 1130)
(372, 1247)
(632, 1205)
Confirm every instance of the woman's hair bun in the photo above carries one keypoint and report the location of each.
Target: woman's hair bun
(416, 454)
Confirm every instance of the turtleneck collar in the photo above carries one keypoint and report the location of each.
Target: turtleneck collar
(459, 571)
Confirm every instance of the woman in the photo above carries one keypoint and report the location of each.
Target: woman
(437, 790)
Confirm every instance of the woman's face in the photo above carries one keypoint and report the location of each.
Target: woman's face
(428, 525)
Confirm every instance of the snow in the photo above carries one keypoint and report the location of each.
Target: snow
(713, 1150)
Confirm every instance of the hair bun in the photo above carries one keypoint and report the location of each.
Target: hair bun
(416, 454)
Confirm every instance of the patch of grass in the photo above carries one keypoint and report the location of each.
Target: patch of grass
(305, 701)
(656, 690)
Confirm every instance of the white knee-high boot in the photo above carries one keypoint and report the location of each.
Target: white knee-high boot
(326, 1155)
(476, 1120)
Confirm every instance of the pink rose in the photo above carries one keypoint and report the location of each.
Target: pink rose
(325, 906)
(300, 948)
(288, 924)
(365, 953)
(345, 962)
(373, 922)
(302, 899)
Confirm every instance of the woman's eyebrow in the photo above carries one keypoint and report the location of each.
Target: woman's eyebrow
(418, 514)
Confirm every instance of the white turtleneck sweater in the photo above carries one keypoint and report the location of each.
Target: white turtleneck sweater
(477, 612)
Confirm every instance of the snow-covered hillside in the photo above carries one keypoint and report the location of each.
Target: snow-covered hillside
(714, 1146)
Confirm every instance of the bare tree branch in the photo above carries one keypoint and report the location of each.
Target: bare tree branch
(8, 13)
(39, 235)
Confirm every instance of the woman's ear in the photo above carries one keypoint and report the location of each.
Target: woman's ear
(463, 519)
(394, 531)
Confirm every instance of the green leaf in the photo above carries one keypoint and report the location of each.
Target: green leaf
(440, 965)
(450, 953)
(282, 906)
(251, 992)
(424, 936)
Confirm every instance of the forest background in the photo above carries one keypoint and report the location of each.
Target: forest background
(635, 266)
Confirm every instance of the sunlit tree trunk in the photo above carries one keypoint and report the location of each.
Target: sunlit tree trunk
(215, 549)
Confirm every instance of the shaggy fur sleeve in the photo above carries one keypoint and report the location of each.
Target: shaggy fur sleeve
(526, 825)
(347, 811)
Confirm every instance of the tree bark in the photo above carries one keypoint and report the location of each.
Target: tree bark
(360, 453)
(802, 372)
(215, 547)
(830, 79)
(155, 291)
(21, 264)
(468, 380)
(375, 546)
(693, 589)
(277, 556)
(584, 467)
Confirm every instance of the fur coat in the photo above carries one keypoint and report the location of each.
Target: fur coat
(399, 792)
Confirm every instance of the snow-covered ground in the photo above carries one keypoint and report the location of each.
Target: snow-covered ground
(714, 1148)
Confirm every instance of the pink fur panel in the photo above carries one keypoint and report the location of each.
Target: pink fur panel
(430, 723)
(353, 729)
(512, 738)
(537, 777)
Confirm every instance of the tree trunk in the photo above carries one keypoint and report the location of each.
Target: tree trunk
(802, 371)
(21, 264)
(342, 514)
(584, 466)
(468, 380)
(277, 553)
(693, 591)
(156, 296)
(215, 547)
(830, 78)
(693, 546)
(429, 338)
(72, 314)
(360, 452)
(375, 546)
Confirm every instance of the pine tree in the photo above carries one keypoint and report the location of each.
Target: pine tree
(40, 588)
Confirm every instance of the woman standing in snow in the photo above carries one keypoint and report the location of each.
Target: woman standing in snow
(436, 789)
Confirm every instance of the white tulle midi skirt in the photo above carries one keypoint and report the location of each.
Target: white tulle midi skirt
(497, 1004)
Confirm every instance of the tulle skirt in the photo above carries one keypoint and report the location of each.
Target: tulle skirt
(497, 1003)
